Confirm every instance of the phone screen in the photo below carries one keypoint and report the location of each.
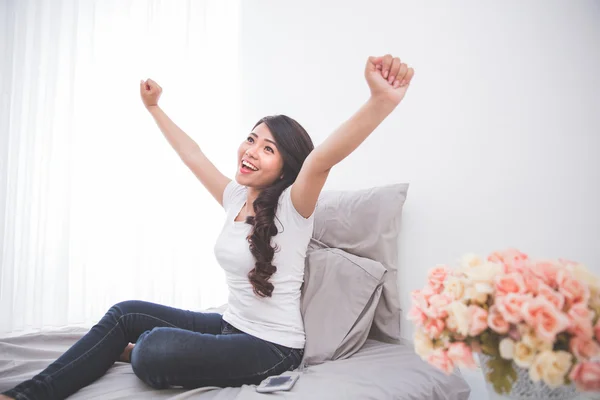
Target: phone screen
(278, 380)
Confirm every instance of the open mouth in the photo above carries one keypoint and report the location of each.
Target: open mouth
(246, 166)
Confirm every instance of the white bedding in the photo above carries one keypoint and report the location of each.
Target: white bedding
(377, 371)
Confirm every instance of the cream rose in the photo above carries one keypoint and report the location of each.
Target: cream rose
(523, 355)
(551, 367)
(470, 260)
(454, 287)
(533, 341)
(484, 273)
(472, 294)
(423, 344)
(507, 348)
(458, 318)
(582, 273)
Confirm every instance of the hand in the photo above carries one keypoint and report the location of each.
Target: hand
(150, 92)
(388, 78)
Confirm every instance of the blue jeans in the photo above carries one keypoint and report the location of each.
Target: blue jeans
(173, 348)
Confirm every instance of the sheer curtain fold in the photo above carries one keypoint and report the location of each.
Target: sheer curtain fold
(95, 207)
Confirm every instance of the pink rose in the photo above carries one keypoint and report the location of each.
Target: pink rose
(573, 289)
(439, 359)
(421, 296)
(546, 271)
(532, 282)
(419, 299)
(509, 283)
(584, 348)
(437, 306)
(544, 318)
(496, 321)
(512, 260)
(434, 327)
(554, 297)
(428, 291)
(417, 316)
(586, 376)
(580, 319)
(510, 306)
(461, 355)
(437, 276)
(597, 330)
(477, 320)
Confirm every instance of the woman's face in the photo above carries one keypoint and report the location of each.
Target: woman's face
(259, 162)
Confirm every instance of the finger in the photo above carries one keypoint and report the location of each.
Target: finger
(394, 68)
(152, 84)
(374, 63)
(401, 72)
(387, 62)
(408, 77)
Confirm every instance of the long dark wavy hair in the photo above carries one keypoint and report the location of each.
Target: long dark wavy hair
(294, 145)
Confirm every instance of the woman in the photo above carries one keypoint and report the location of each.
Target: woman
(261, 247)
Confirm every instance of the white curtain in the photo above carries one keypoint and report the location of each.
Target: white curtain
(95, 206)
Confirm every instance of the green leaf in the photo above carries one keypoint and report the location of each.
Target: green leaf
(490, 344)
(501, 374)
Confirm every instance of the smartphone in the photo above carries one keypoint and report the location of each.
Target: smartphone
(277, 383)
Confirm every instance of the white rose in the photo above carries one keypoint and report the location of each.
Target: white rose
(455, 287)
(470, 260)
(583, 274)
(484, 273)
(533, 341)
(536, 371)
(423, 344)
(551, 367)
(507, 348)
(555, 371)
(472, 294)
(458, 318)
(523, 355)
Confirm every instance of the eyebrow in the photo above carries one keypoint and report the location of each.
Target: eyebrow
(268, 140)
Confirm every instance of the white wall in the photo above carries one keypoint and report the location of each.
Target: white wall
(499, 134)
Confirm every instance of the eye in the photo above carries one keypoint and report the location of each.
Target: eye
(269, 148)
(250, 139)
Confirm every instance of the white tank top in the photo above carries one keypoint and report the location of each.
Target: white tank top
(276, 319)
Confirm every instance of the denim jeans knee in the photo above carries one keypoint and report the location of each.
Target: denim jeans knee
(146, 358)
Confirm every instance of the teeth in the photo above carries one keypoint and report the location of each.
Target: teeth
(247, 164)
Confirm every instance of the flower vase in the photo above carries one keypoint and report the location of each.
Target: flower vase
(523, 388)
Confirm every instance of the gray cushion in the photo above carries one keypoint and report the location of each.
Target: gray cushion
(366, 223)
(339, 297)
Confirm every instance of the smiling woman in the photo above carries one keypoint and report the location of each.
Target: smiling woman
(262, 249)
(274, 152)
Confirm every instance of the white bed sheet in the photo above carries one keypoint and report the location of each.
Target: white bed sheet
(377, 371)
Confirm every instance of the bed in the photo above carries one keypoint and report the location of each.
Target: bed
(351, 311)
(377, 371)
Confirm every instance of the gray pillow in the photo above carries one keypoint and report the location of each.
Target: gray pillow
(339, 297)
(366, 223)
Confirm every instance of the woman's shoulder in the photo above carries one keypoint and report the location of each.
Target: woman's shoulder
(233, 193)
(287, 212)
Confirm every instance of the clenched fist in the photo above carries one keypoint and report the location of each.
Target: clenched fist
(150, 92)
(387, 77)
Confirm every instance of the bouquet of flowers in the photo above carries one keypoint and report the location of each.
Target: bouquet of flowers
(542, 316)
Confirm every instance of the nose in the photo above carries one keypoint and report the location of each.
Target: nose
(250, 152)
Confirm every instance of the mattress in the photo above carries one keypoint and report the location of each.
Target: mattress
(377, 371)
